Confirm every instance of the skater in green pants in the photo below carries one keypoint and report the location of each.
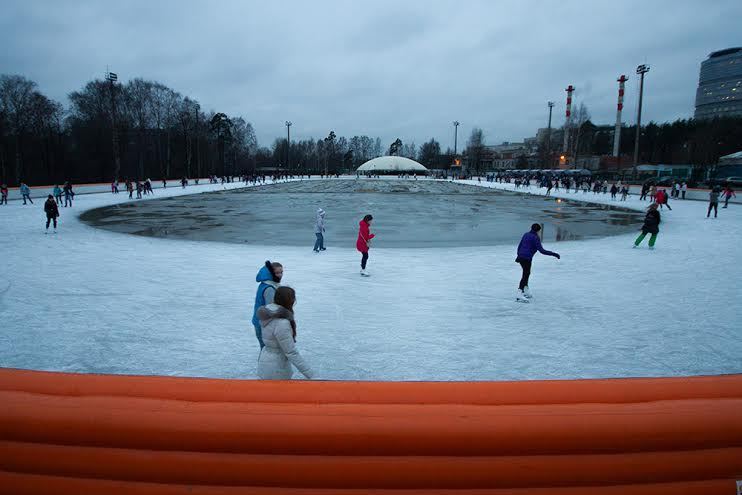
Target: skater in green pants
(651, 226)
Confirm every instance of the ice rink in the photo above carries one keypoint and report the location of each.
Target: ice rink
(92, 300)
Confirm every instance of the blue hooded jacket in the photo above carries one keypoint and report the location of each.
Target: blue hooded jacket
(264, 275)
(529, 244)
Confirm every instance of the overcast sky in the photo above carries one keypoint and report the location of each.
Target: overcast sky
(383, 68)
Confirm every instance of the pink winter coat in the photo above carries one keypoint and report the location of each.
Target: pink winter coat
(363, 237)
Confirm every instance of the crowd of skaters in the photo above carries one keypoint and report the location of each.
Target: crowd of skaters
(273, 317)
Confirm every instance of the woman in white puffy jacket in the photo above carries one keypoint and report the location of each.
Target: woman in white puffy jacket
(279, 337)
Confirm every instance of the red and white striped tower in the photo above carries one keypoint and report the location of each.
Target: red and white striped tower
(570, 89)
(617, 133)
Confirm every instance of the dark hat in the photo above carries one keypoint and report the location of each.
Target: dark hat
(535, 227)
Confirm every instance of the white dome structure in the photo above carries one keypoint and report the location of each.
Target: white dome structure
(395, 164)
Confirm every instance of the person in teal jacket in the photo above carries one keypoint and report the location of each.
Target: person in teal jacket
(25, 193)
(269, 279)
(58, 194)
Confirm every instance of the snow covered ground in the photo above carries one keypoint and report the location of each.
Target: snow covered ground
(91, 300)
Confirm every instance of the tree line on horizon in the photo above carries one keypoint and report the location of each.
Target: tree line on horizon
(144, 129)
(683, 141)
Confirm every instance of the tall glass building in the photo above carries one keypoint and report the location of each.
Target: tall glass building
(719, 91)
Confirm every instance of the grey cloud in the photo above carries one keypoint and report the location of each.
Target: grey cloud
(386, 68)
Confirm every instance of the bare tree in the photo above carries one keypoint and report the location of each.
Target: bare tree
(16, 102)
(409, 151)
(579, 118)
(395, 147)
(475, 149)
(430, 153)
(139, 103)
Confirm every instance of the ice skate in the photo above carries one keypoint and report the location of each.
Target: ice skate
(364, 274)
(527, 292)
(521, 297)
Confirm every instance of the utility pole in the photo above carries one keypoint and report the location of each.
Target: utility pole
(548, 133)
(112, 77)
(641, 70)
(288, 144)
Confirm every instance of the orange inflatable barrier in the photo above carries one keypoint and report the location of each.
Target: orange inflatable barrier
(64, 433)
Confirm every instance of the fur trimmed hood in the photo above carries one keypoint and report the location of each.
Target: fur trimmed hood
(274, 312)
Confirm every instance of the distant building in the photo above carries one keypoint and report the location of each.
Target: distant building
(719, 92)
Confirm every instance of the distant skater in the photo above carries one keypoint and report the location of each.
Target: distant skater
(713, 202)
(4, 194)
(269, 280)
(727, 194)
(319, 231)
(651, 226)
(26, 193)
(661, 198)
(69, 195)
(645, 191)
(57, 191)
(529, 244)
(52, 212)
(363, 244)
(279, 333)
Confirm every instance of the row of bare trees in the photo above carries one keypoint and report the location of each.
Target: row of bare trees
(329, 155)
(112, 131)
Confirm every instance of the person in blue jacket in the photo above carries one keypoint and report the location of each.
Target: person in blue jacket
(269, 279)
(529, 244)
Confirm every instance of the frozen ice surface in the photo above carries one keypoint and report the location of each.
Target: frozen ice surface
(407, 213)
(91, 300)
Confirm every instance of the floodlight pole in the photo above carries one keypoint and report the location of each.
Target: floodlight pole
(112, 77)
(641, 70)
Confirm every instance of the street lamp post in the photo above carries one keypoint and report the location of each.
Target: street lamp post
(641, 70)
(455, 140)
(112, 77)
(288, 144)
(548, 133)
(455, 136)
